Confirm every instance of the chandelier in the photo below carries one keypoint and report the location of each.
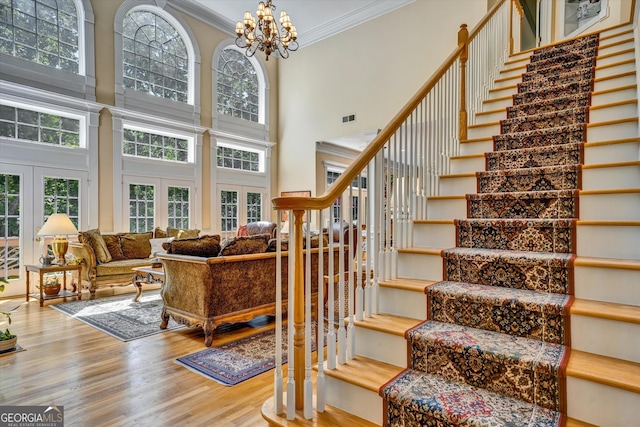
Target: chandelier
(263, 34)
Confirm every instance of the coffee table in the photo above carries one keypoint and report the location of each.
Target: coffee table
(146, 275)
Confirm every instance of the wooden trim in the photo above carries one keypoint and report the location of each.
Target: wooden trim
(481, 125)
(618, 43)
(496, 89)
(367, 373)
(434, 221)
(608, 192)
(623, 264)
(606, 310)
(614, 64)
(615, 89)
(618, 373)
(415, 285)
(616, 76)
(612, 165)
(614, 104)
(474, 140)
(612, 54)
(468, 156)
(458, 175)
(609, 223)
(611, 142)
(617, 34)
(446, 197)
(388, 323)
(421, 251)
(612, 122)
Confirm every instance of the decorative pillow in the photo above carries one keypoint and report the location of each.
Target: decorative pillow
(182, 234)
(113, 245)
(136, 245)
(157, 246)
(159, 233)
(271, 247)
(243, 245)
(94, 238)
(205, 246)
(242, 231)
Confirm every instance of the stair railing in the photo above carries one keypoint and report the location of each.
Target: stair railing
(366, 215)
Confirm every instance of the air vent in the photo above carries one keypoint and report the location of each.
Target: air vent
(349, 118)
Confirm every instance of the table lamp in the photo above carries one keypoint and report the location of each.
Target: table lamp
(60, 226)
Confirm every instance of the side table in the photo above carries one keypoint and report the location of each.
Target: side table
(147, 275)
(42, 270)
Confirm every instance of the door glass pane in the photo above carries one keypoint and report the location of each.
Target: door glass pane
(10, 226)
(254, 207)
(178, 205)
(61, 196)
(228, 210)
(141, 208)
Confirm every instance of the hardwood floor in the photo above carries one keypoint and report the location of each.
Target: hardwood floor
(102, 381)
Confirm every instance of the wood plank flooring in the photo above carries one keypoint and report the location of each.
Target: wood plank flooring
(102, 381)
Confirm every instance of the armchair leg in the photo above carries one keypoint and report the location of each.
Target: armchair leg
(165, 318)
(208, 327)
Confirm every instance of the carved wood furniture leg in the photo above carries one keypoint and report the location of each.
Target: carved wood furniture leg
(165, 318)
(209, 326)
(137, 281)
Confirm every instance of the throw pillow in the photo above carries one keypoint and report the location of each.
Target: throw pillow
(242, 231)
(136, 245)
(113, 245)
(205, 246)
(242, 245)
(157, 246)
(315, 241)
(182, 234)
(159, 233)
(97, 243)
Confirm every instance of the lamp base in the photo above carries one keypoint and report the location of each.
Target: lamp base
(59, 246)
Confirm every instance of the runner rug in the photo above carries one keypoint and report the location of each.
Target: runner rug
(239, 360)
(119, 316)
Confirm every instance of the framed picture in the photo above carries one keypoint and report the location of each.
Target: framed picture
(581, 14)
(285, 215)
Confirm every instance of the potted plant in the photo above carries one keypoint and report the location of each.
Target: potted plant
(51, 285)
(8, 341)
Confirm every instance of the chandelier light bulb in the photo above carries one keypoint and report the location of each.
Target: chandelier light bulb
(262, 33)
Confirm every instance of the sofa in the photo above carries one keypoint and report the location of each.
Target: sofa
(109, 258)
(235, 286)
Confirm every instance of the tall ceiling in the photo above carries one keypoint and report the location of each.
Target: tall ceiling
(314, 19)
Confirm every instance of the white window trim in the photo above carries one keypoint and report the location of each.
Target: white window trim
(149, 168)
(152, 104)
(236, 125)
(81, 85)
(242, 191)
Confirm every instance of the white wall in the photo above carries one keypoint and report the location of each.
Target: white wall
(371, 70)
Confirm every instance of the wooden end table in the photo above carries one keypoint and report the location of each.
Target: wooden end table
(146, 275)
(41, 270)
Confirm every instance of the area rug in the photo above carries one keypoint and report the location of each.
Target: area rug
(119, 316)
(239, 360)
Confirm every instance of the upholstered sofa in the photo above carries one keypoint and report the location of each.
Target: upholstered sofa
(205, 291)
(109, 258)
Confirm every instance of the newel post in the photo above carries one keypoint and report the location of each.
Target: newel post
(463, 39)
(298, 310)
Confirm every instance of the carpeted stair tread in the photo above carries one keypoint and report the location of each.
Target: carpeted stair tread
(414, 399)
(530, 179)
(531, 204)
(565, 154)
(566, 46)
(509, 365)
(536, 271)
(534, 235)
(579, 100)
(545, 120)
(561, 77)
(539, 138)
(536, 94)
(567, 62)
(520, 312)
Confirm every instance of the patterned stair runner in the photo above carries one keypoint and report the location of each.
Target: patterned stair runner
(495, 345)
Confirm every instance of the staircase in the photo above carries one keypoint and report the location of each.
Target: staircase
(518, 238)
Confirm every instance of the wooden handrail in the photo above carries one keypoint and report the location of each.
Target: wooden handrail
(344, 180)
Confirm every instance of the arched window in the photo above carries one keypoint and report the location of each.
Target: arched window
(155, 57)
(238, 87)
(41, 31)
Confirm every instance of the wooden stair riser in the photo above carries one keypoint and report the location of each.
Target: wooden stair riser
(614, 112)
(606, 97)
(613, 241)
(600, 404)
(382, 346)
(611, 153)
(420, 266)
(351, 398)
(622, 285)
(597, 207)
(611, 178)
(616, 82)
(401, 302)
(434, 235)
(605, 131)
(616, 339)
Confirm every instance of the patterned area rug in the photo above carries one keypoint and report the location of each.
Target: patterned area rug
(119, 316)
(237, 361)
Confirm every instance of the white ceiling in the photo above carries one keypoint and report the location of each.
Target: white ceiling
(314, 19)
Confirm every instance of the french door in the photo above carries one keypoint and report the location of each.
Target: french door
(238, 205)
(28, 195)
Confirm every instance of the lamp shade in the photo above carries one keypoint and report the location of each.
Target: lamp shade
(58, 225)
